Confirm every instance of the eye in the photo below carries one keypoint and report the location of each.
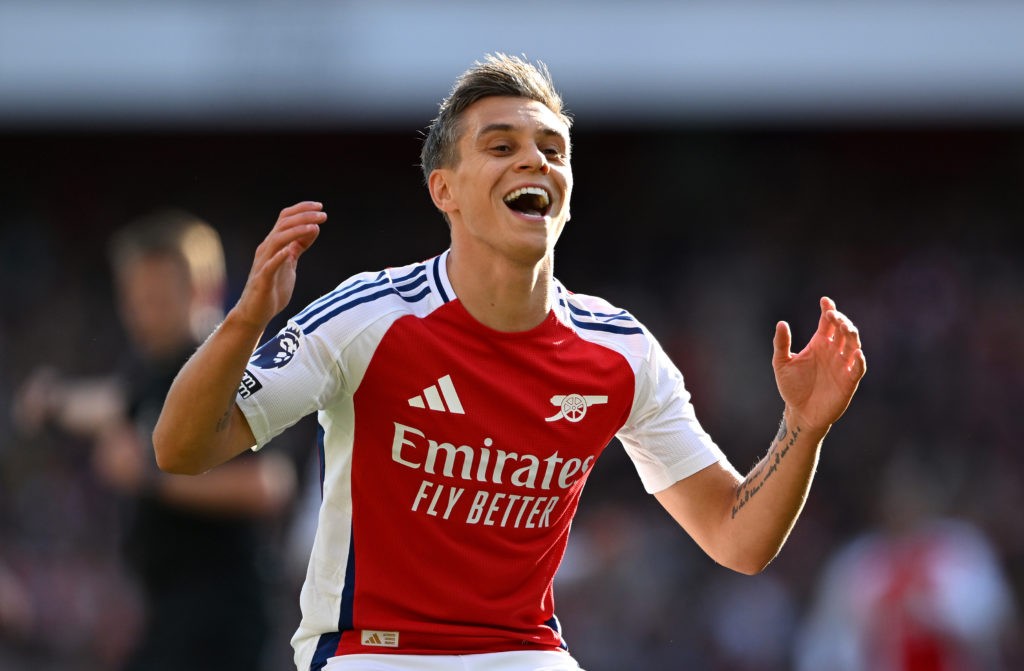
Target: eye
(554, 153)
(501, 148)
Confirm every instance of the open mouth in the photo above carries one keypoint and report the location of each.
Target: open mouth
(532, 201)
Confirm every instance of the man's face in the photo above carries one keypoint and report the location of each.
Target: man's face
(509, 193)
(155, 300)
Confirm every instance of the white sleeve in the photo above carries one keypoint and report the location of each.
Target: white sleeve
(287, 378)
(662, 435)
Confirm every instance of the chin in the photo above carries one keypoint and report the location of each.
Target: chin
(532, 254)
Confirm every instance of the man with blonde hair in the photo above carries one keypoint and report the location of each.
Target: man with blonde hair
(194, 545)
(464, 400)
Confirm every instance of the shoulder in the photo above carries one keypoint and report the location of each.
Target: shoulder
(415, 288)
(597, 320)
(592, 313)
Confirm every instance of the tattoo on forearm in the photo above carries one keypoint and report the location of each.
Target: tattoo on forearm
(224, 420)
(753, 483)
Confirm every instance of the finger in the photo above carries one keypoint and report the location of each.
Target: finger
(848, 336)
(847, 346)
(298, 219)
(280, 239)
(782, 343)
(826, 321)
(839, 330)
(860, 364)
(306, 213)
(302, 206)
(303, 236)
(287, 255)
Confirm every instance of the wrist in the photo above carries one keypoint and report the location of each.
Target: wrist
(241, 324)
(794, 421)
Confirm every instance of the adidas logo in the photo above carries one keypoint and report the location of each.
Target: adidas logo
(383, 639)
(445, 400)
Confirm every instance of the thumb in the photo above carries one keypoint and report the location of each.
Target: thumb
(783, 341)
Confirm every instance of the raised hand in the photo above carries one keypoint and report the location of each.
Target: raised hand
(818, 383)
(272, 277)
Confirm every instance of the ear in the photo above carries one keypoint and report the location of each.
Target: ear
(441, 192)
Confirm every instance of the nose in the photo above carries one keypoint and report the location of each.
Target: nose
(535, 159)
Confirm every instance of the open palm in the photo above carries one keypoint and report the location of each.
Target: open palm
(272, 277)
(818, 383)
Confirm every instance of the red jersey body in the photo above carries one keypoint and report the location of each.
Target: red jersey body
(454, 456)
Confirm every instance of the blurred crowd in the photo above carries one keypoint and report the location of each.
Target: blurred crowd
(910, 552)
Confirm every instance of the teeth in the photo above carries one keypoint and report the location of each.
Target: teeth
(530, 190)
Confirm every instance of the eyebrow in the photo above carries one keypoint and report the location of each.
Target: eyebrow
(506, 127)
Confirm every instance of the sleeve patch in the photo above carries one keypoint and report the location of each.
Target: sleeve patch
(279, 351)
(249, 385)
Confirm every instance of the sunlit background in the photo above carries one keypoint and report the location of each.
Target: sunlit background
(734, 161)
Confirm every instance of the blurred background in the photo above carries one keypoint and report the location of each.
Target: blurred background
(733, 162)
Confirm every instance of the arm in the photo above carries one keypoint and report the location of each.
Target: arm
(83, 406)
(742, 522)
(258, 486)
(200, 426)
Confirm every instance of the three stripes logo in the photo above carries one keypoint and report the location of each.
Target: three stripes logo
(440, 397)
(380, 639)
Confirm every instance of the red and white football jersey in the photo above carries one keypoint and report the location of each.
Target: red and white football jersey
(453, 456)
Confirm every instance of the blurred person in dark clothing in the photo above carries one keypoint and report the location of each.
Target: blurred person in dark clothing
(196, 545)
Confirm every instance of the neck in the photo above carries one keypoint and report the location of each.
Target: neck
(504, 295)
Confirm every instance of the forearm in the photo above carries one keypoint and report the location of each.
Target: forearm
(769, 499)
(742, 522)
(83, 406)
(199, 426)
(86, 407)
